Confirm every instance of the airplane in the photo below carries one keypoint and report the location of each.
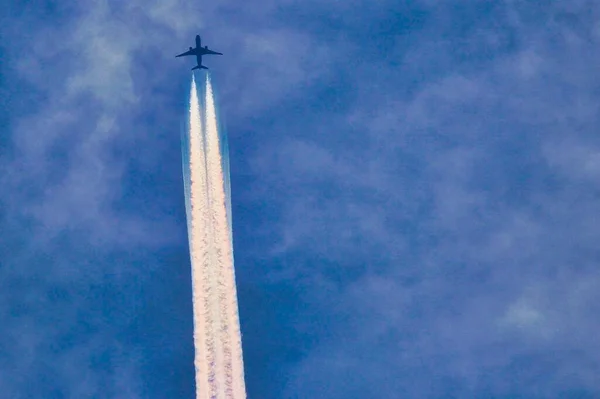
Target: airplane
(199, 51)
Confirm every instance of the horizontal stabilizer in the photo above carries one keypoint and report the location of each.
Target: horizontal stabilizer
(199, 67)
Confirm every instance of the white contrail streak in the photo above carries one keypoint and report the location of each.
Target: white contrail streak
(229, 307)
(217, 340)
(198, 232)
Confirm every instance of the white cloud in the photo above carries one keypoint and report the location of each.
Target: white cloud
(410, 189)
(500, 153)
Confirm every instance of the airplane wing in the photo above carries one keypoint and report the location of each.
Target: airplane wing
(190, 52)
(207, 51)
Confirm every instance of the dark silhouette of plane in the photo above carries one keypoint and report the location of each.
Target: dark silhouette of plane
(199, 51)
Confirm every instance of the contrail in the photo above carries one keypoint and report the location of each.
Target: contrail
(217, 340)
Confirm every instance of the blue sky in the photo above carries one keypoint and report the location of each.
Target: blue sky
(414, 187)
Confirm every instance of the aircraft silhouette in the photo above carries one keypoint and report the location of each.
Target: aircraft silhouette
(199, 51)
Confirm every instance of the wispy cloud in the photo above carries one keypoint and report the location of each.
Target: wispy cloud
(492, 233)
(431, 192)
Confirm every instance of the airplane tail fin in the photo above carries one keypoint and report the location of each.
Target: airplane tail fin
(199, 67)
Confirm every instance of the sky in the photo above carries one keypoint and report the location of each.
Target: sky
(415, 196)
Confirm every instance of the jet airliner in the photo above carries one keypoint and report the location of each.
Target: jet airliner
(199, 51)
